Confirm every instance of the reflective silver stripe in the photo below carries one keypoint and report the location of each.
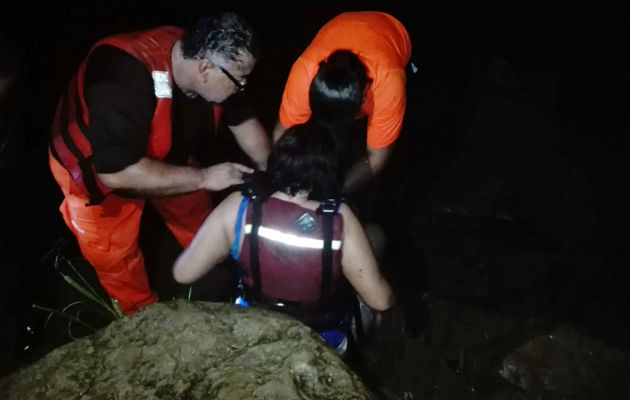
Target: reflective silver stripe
(77, 227)
(161, 85)
(290, 239)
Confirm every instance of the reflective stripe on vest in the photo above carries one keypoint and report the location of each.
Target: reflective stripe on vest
(290, 254)
(290, 239)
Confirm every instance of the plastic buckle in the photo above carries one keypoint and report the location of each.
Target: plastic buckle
(328, 206)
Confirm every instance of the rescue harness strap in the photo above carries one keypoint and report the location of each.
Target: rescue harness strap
(327, 256)
(327, 208)
(253, 246)
(85, 163)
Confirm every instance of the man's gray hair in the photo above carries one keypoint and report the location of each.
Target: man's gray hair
(227, 36)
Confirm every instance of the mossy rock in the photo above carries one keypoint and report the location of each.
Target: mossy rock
(191, 350)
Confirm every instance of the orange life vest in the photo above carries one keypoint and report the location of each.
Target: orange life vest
(70, 144)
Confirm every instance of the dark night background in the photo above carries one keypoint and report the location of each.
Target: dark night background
(512, 168)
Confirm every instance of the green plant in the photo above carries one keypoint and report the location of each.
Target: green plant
(88, 291)
(108, 309)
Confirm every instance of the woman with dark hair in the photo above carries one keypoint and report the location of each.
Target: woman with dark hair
(295, 254)
(337, 91)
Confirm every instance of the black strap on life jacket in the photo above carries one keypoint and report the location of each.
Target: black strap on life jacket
(328, 209)
(258, 190)
(253, 247)
(96, 196)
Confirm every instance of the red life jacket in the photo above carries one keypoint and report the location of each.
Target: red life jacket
(70, 132)
(290, 243)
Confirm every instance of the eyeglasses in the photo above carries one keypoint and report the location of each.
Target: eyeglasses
(240, 85)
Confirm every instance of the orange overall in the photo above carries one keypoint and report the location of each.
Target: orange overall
(108, 235)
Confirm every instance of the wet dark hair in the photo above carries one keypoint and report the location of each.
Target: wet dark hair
(305, 158)
(227, 36)
(336, 93)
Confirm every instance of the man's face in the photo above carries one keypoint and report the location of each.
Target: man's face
(223, 78)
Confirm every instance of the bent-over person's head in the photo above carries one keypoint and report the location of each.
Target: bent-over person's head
(305, 158)
(337, 91)
(227, 49)
(227, 36)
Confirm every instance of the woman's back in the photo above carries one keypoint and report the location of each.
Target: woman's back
(290, 247)
(291, 264)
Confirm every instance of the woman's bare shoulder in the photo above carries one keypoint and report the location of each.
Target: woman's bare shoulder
(349, 217)
(230, 204)
(346, 211)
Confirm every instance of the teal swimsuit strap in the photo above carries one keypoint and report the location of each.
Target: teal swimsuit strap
(238, 227)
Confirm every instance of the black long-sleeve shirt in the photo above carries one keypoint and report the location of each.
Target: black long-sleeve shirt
(121, 101)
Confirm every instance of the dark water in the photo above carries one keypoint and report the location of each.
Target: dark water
(508, 190)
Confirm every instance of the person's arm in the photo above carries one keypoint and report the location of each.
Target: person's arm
(278, 131)
(360, 266)
(366, 167)
(211, 244)
(148, 177)
(121, 103)
(252, 138)
(384, 125)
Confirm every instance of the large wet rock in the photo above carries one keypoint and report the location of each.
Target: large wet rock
(567, 364)
(470, 353)
(184, 350)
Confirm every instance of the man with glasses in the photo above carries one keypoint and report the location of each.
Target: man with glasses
(138, 122)
(240, 85)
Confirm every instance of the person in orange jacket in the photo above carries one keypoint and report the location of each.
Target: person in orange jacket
(354, 67)
(137, 123)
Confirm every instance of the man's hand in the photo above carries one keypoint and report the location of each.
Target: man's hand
(221, 176)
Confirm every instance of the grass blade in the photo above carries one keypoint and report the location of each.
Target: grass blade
(87, 294)
(62, 314)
